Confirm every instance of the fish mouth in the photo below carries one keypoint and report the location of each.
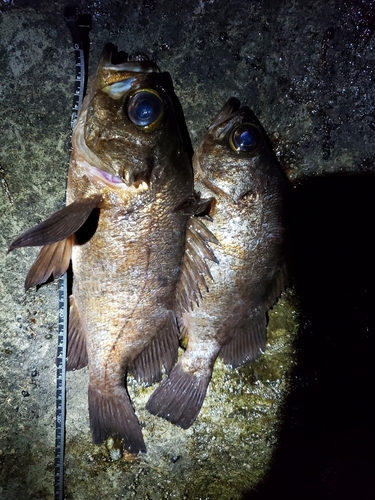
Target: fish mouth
(95, 173)
(230, 109)
(231, 114)
(118, 71)
(114, 181)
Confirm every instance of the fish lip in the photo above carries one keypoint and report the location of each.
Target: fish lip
(117, 73)
(114, 181)
(110, 180)
(230, 109)
(232, 113)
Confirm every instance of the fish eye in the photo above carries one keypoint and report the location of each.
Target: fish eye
(246, 138)
(145, 109)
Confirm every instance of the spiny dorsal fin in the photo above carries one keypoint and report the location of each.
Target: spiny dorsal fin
(194, 267)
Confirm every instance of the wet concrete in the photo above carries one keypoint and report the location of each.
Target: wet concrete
(295, 423)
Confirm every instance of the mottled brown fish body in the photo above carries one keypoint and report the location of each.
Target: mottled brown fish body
(235, 165)
(125, 274)
(124, 231)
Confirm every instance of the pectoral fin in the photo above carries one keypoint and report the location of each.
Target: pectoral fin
(59, 226)
(52, 260)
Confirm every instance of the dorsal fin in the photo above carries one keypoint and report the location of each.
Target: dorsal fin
(250, 335)
(194, 267)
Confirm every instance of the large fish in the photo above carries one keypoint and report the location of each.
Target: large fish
(129, 187)
(234, 165)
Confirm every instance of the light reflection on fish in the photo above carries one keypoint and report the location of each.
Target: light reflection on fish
(235, 165)
(124, 230)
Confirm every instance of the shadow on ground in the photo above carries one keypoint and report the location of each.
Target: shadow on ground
(326, 446)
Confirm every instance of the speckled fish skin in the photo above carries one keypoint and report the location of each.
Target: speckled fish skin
(248, 222)
(125, 275)
(124, 230)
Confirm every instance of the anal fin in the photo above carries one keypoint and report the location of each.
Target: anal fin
(162, 351)
(111, 413)
(179, 397)
(77, 352)
(249, 340)
(52, 260)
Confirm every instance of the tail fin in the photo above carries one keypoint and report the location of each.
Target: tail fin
(179, 397)
(112, 413)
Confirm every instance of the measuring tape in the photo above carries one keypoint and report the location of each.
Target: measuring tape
(79, 27)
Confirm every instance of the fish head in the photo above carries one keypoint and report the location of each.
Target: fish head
(234, 158)
(127, 133)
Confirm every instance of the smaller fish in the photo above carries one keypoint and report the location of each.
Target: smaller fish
(234, 165)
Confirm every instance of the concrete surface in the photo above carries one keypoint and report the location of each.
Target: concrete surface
(295, 424)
